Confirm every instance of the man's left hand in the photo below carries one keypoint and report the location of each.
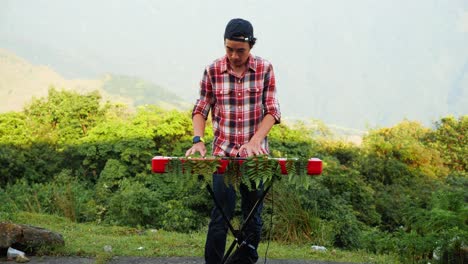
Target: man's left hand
(251, 149)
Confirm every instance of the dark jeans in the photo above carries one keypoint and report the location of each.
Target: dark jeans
(217, 229)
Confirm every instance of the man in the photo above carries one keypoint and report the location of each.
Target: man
(240, 91)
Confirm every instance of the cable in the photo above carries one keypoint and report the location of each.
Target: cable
(271, 223)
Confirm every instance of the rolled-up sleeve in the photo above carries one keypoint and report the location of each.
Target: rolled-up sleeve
(204, 102)
(270, 102)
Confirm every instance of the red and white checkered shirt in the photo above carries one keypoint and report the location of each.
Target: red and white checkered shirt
(237, 103)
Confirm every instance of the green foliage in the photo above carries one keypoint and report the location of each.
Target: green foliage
(12, 161)
(292, 142)
(345, 152)
(172, 135)
(450, 138)
(72, 198)
(251, 171)
(377, 241)
(15, 129)
(406, 142)
(348, 231)
(337, 226)
(297, 173)
(234, 175)
(7, 207)
(403, 190)
(130, 141)
(37, 163)
(177, 217)
(64, 116)
(191, 201)
(109, 181)
(198, 169)
(133, 204)
(292, 223)
(414, 247)
(383, 171)
(349, 185)
(444, 222)
(259, 170)
(65, 196)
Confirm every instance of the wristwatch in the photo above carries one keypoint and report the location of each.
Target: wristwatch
(197, 139)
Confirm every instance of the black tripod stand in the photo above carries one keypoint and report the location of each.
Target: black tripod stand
(239, 238)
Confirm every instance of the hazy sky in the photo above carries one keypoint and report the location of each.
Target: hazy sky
(350, 63)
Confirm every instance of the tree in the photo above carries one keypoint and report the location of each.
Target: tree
(450, 138)
(406, 142)
(15, 129)
(64, 116)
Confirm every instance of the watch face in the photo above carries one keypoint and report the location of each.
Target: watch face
(197, 139)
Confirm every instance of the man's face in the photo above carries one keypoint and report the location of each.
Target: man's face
(237, 52)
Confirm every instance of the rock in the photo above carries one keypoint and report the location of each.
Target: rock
(9, 234)
(318, 248)
(36, 237)
(27, 237)
(108, 248)
(13, 253)
(21, 259)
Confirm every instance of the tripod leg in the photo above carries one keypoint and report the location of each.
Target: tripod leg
(254, 208)
(218, 206)
(224, 198)
(240, 239)
(228, 253)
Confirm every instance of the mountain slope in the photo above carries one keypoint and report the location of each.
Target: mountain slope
(142, 92)
(20, 81)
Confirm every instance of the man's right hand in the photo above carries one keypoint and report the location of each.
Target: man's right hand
(197, 147)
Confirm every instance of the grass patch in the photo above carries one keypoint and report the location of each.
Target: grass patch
(89, 239)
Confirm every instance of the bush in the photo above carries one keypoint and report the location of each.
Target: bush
(72, 198)
(347, 184)
(378, 242)
(7, 207)
(415, 247)
(292, 223)
(313, 215)
(178, 217)
(134, 205)
(64, 196)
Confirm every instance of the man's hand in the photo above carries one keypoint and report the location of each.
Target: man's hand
(251, 149)
(254, 147)
(197, 147)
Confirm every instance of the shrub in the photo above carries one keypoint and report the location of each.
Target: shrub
(178, 217)
(378, 242)
(64, 195)
(134, 205)
(292, 223)
(72, 198)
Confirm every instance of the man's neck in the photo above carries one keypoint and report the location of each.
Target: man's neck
(239, 70)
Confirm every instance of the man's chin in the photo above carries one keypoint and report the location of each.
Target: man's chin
(237, 64)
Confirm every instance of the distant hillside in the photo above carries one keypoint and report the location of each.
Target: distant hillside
(20, 81)
(142, 92)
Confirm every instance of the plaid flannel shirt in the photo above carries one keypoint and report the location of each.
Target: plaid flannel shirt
(237, 103)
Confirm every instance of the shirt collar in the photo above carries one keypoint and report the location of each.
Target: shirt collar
(252, 63)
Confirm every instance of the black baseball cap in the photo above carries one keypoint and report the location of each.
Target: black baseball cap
(239, 29)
